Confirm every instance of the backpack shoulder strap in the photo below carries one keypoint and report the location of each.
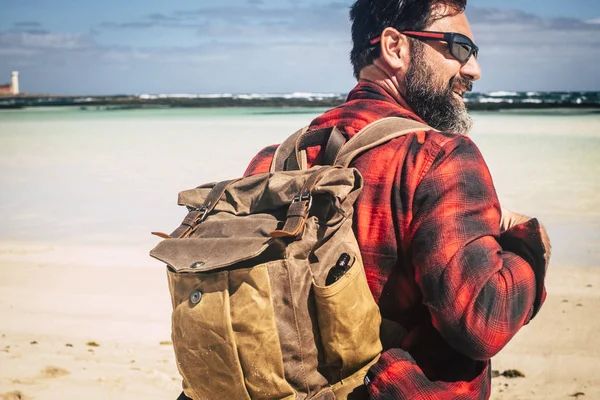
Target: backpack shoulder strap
(285, 149)
(375, 134)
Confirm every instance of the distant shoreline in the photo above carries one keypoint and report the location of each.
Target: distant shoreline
(494, 101)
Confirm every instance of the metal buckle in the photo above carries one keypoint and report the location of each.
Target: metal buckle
(303, 197)
(204, 211)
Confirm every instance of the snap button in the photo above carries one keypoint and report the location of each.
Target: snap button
(196, 296)
(197, 264)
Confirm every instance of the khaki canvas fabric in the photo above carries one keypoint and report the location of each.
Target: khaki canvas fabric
(252, 315)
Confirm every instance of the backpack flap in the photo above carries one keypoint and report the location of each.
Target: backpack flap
(193, 255)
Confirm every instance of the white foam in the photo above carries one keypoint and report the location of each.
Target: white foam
(502, 94)
(534, 101)
(244, 96)
(484, 100)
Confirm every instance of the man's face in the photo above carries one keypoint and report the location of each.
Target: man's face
(435, 81)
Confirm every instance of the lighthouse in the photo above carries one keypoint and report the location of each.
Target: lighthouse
(15, 83)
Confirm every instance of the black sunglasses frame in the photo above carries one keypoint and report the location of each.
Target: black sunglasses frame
(453, 39)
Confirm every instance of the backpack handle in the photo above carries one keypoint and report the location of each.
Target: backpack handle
(291, 154)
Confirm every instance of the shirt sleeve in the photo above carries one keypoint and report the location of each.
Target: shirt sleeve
(479, 294)
(261, 163)
(396, 376)
(480, 286)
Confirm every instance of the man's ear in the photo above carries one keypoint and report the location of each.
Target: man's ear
(394, 49)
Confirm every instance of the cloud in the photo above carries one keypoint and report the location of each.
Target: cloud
(292, 47)
(494, 16)
(124, 25)
(162, 18)
(522, 51)
(291, 22)
(27, 24)
(518, 30)
(32, 31)
(149, 21)
(324, 23)
(495, 19)
(31, 27)
(45, 41)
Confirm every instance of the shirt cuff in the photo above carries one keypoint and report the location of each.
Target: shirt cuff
(382, 378)
(526, 241)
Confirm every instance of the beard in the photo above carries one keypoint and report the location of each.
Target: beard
(433, 100)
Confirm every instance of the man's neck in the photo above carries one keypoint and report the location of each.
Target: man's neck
(379, 74)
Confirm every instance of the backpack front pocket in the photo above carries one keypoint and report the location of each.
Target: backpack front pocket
(349, 321)
(224, 334)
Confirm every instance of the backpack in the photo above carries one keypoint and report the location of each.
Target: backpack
(270, 297)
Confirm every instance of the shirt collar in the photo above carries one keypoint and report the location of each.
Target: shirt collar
(367, 102)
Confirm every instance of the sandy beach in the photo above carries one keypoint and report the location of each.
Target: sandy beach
(85, 312)
(83, 331)
(102, 331)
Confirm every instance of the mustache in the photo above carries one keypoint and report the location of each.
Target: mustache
(461, 82)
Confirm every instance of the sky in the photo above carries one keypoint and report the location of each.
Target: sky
(93, 47)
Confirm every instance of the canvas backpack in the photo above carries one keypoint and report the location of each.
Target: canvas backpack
(253, 315)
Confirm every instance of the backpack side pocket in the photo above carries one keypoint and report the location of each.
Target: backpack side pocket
(349, 322)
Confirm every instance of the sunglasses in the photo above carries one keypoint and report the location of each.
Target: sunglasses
(461, 47)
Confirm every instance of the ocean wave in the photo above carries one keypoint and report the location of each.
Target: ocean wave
(532, 101)
(243, 96)
(485, 101)
(502, 94)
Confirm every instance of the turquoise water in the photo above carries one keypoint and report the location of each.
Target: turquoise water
(111, 177)
(76, 113)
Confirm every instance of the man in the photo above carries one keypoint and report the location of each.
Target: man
(441, 259)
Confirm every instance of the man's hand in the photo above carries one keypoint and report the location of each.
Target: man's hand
(511, 218)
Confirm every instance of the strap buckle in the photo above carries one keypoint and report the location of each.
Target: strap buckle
(303, 197)
(204, 210)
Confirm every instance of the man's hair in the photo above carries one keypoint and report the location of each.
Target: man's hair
(370, 17)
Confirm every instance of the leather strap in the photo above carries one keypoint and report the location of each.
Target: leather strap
(284, 150)
(329, 137)
(334, 145)
(299, 209)
(197, 215)
(375, 134)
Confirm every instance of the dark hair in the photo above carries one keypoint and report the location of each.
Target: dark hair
(370, 17)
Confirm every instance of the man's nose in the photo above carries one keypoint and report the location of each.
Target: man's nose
(471, 69)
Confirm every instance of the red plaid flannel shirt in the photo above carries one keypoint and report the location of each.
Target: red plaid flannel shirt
(428, 226)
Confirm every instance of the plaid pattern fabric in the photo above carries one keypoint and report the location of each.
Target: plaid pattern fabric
(428, 225)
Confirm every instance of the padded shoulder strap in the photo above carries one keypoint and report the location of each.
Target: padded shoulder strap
(375, 134)
(285, 149)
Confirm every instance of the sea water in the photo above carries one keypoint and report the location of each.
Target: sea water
(109, 178)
